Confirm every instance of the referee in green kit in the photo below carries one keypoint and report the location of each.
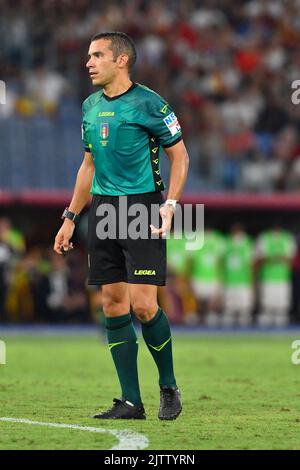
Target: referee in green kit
(124, 125)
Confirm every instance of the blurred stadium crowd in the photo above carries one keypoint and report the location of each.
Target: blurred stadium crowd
(226, 67)
(37, 285)
(233, 280)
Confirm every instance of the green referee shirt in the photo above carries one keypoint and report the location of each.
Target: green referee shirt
(125, 134)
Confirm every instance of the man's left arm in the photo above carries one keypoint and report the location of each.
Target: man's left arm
(179, 162)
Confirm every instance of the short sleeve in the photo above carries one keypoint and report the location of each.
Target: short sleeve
(84, 139)
(162, 122)
(84, 133)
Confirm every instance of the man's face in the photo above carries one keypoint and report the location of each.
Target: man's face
(101, 64)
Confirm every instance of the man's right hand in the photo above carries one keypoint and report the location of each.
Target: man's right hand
(64, 236)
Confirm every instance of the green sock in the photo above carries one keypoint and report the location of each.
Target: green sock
(123, 345)
(157, 335)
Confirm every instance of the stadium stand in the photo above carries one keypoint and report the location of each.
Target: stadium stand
(220, 67)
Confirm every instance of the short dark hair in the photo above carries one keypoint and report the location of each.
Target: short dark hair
(121, 43)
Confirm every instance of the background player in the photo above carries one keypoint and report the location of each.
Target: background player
(238, 278)
(274, 252)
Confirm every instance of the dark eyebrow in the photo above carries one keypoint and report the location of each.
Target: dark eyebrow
(96, 53)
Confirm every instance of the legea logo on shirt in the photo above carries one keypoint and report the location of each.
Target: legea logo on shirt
(106, 114)
(172, 123)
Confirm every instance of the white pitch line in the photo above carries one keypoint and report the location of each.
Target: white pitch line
(128, 440)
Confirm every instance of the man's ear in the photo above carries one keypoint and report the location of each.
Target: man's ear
(122, 60)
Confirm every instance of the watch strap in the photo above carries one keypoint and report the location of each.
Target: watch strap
(70, 215)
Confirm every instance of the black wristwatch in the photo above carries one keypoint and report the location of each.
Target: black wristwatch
(70, 215)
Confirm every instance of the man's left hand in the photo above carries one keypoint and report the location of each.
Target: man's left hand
(166, 212)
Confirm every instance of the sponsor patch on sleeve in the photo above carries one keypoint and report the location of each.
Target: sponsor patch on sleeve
(172, 123)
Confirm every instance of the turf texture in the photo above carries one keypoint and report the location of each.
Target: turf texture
(239, 392)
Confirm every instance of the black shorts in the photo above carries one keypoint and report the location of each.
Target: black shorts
(121, 258)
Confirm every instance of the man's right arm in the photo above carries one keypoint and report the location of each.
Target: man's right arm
(81, 197)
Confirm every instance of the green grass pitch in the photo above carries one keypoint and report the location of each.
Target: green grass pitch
(239, 392)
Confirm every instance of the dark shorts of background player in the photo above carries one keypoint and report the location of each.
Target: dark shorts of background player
(118, 260)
